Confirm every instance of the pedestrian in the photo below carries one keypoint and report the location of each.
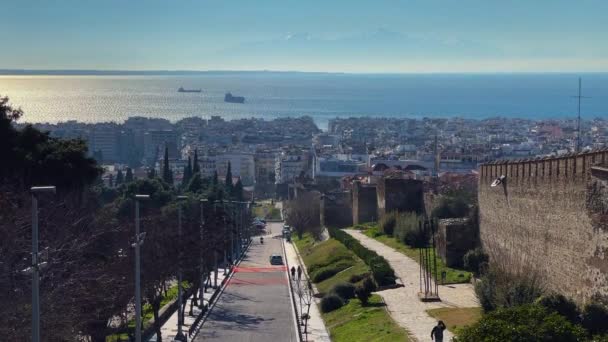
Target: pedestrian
(299, 272)
(293, 271)
(437, 332)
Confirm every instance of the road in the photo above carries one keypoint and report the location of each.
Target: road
(255, 305)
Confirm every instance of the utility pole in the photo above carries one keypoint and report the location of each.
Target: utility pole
(578, 120)
(36, 264)
(202, 267)
(180, 335)
(139, 240)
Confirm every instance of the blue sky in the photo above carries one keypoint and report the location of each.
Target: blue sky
(306, 35)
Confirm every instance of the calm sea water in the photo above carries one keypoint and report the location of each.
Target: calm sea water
(322, 96)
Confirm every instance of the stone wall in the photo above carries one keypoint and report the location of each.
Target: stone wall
(365, 207)
(402, 195)
(336, 209)
(455, 237)
(550, 216)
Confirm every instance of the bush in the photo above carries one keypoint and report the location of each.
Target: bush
(381, 270)
(475, 261)
(331, 302)
(345, 291)
(522, 323)
(499, 288)
(451, 207)
(369, 285)
(407, 229)
(595, 319)
(355, 278)
(329, 271)
(363, 294)
(562, 305)
(387, 223)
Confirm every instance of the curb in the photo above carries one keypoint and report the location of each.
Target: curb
(291, 295)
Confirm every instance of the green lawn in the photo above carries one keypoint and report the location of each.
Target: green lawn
(354, 322)
(453, 275)
(456, 317)
(320, 254)
(267, 211)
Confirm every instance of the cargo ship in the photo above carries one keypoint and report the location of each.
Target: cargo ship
(233, 99)
(182, 90)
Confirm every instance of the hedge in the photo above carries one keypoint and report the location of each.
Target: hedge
(382, 272)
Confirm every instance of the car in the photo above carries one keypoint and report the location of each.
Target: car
(276, 259)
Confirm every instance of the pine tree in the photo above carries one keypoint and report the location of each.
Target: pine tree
(167, 174)
(238, 190)
(196, 168)
(119, 178)
(187, 173)
(229, 179)
(196, 184)
(129, 176)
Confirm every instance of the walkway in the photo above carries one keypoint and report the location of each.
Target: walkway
(403, 303)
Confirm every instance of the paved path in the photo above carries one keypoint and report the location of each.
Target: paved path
(403, 303)
(256, 304)
(316, 326)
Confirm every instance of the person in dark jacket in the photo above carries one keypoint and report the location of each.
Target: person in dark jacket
(299, 272)
(437, 332)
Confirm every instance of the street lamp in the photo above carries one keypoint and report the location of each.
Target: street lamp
(139, 240)
(202, 261)
(35, 268)
(180, 335)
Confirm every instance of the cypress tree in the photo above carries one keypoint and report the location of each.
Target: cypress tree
(196, 168)
(238, 190)
(111, 180)
(129, 176)
(167, 174)
(119, 178)
(229, 179)
(196, 184)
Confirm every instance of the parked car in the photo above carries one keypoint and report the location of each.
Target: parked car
(276, 259)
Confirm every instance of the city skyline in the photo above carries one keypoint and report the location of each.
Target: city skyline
(412, 37)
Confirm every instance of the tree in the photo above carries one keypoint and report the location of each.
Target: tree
(152, 173)
(129, 176)
(196, 168)
(167, 173)
(120, 178)
(196, 184)
(303, 214)
(214, 179)
(111, 181)
(229, 179)
(187, 172)
(238, 190)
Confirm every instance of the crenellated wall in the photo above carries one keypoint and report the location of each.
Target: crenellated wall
(551, 216)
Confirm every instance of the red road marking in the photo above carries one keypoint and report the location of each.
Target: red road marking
(260, 269)
(254, 282)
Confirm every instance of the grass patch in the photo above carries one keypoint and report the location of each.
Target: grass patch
(329, 253)
(354, 322)
(453, 275)
(267, 211)
(456, 317)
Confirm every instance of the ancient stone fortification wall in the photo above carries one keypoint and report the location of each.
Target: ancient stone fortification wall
(365, 208)
(336, 209)
(402, 195)
(552, 217)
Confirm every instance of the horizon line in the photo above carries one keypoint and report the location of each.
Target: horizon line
(119, 72)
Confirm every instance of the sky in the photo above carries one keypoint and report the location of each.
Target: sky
(358, 36)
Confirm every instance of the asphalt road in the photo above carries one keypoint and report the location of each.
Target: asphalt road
(255, 305)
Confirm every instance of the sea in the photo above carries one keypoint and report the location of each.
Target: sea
(323, 96)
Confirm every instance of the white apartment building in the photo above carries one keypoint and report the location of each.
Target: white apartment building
(290, 166)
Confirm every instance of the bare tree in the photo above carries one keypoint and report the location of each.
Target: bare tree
(303, 214)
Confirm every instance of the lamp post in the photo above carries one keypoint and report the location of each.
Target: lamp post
(139, 240)
(35, 268)
(202, 261)
(180, 335)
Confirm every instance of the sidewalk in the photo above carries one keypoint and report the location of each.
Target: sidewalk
(169, 329)
(403, 303)
(316, 326)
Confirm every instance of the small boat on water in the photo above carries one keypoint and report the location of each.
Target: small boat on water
(182, 90)
(233, 99)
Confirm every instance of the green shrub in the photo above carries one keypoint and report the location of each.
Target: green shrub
(451, 206)
(369, 284)
(345, 291)
(498, 288)
(387, 223)
(562, 305)
(329, 271)
(363, 294)
(595, 319)
(331, 302)
(355, 278)
(382, 271)
(475, 260)
(522, 323)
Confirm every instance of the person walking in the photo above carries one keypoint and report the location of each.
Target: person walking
(293, 271)
(437, 332)
(299, 272)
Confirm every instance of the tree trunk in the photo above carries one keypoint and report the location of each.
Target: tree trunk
(97, 331)
(156, 309)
